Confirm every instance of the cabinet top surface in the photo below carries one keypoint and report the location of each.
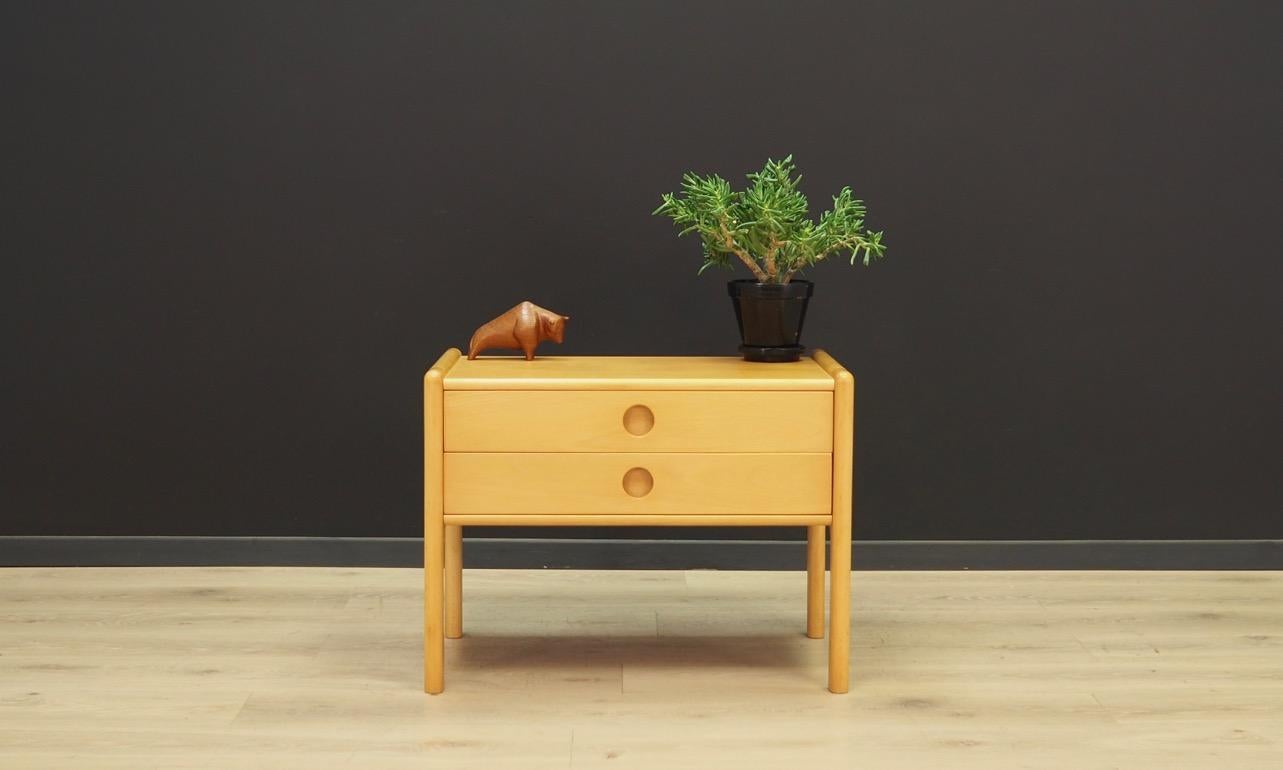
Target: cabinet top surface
(634, 373)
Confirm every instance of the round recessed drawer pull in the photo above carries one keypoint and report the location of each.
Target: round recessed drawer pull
(638, 482)
(638, 420)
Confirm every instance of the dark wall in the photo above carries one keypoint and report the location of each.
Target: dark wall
(236, 233)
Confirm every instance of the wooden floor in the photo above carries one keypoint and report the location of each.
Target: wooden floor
(322, 668)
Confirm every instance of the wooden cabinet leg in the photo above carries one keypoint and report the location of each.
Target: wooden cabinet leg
(453, 581)
(433, 615)
(434, 523)
(840, 610)
(815, 581)
(434, 590)
(840, 533)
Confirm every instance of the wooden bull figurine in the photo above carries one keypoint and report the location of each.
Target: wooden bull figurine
(523, 327)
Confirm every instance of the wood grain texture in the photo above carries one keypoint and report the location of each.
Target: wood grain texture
(634, 373)
(583, 483)
(216, 668)
(593, 421)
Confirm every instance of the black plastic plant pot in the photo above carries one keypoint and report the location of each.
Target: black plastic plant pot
(770, 317)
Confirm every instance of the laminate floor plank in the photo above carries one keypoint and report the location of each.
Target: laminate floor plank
(213, 667)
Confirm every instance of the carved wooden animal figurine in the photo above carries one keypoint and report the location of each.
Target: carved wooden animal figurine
(523, 327)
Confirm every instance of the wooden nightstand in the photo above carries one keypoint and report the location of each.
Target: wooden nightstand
(631, 441)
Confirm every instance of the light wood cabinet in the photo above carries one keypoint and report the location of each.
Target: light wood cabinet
(664, 441)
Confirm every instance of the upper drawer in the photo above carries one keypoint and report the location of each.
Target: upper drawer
(634, 373)
(638, 421)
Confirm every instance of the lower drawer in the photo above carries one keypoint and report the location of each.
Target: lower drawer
(643, 483)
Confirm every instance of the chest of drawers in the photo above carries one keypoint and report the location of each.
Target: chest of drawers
(663, 441)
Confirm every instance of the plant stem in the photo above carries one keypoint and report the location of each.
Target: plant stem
(728, 241)
(758, 273)
(770, 257)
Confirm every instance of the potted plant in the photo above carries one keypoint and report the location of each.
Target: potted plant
(767, 228)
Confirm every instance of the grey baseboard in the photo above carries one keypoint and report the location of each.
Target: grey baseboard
(555, 553)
